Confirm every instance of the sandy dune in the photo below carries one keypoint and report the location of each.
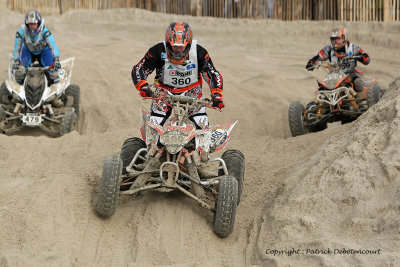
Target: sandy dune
(339, 188)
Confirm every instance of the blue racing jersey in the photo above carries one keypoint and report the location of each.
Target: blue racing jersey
(34, 43)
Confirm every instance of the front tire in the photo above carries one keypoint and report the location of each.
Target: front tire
(295, 114)
(108, 198)
(69, 123)
(235, 163)
(5, 95)
(225, 208)
(3, 114)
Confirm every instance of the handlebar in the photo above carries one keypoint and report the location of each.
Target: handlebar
(352, 57)
(38, 68)
(157, 95)
(172, 99)
(332, 64)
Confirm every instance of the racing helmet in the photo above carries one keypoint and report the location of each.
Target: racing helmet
(338, 38)
(34, 17)
(178, 40)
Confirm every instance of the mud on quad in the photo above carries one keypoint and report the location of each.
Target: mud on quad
(54, 108)
(175, 156)
(336, 100)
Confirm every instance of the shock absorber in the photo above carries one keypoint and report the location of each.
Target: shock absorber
(319, 110)
(353, 101)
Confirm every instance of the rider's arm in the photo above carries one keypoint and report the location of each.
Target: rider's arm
(146, 65)
(324, 53)
(365, 58)
(209, 72)
(48, 36)
(19, 41)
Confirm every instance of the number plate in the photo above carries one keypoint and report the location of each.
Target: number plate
(31, 119)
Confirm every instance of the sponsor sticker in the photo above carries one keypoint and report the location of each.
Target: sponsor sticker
(180, 73)
(191, 66)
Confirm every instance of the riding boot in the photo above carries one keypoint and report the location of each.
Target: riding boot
(53, 76)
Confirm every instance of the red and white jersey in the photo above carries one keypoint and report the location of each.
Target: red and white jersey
(182, 76)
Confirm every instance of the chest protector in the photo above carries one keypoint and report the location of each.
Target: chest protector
(182, 77)
(36, 45)
(348, 66)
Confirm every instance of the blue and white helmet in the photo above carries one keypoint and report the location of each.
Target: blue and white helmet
(33, 17)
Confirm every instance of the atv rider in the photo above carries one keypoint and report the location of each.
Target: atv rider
(34, 41)
(339, 48)
(178, 61)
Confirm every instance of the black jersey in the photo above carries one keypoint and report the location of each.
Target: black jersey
(155, 58)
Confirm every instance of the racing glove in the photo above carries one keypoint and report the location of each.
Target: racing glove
(311, 63)
(57, 64)
(217, 101)
(145, 91)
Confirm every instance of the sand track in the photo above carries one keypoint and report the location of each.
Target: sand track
(298, 192)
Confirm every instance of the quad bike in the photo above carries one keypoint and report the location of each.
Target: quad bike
(54, 108)
(336, 100)
(176, 156)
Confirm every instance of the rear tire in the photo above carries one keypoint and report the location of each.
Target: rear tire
(129, 149)
(373, 94)
(225, 207)
(74, 91)
(296, 112)
(235, 163)
(108, 198)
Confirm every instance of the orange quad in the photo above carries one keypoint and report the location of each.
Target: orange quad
(336, 100)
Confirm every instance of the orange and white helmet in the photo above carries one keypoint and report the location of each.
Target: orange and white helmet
(338, 38)
(178, 40)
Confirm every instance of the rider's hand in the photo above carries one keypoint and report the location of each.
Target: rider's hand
(310, 65)
(145, 91)
(57, 64)
(16, 64)
(217, 101)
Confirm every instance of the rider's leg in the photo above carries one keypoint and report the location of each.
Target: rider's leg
(200, 119)
(159, 113)
(25, 59)
(26, 56)
(47, 60)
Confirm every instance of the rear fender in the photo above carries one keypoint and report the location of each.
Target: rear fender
(220, 135)
(11, 84)
(65, 74)
(15, 88)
